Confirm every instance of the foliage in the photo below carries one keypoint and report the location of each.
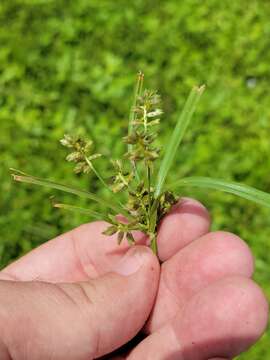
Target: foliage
(66, 65)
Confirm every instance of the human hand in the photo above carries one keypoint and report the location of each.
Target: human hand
(79, 296)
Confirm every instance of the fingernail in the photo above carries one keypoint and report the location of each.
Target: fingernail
(132, 261)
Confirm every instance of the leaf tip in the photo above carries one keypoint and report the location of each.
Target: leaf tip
(140, 75)
(200, 89)
(16, 177)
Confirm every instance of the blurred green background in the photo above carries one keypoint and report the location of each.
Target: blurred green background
(70, 66)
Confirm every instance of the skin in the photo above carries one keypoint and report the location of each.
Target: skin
(81, 296)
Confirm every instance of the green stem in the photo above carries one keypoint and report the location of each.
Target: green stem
(152, 226)
(149, 189)
(96, 173)
(133, 115)
(101, 178)
(154, 244)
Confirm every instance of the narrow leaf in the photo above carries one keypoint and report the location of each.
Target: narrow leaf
(177, 136)
(130, 238)
(244, 191)
(110, 230)
(120, 237)
(53, 185)
(89, 212)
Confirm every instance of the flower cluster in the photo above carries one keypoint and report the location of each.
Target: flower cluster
(141, 209)
(122, 179)
(147, 113)
(81, 153)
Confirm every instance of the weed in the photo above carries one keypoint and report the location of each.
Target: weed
(147, 197)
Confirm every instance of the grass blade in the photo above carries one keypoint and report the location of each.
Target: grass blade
(244, 191)
(177, 136)
(54, 185)
(72, 208)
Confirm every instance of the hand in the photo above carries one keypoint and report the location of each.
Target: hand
(81, 296)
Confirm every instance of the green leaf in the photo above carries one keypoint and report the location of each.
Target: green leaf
(53, 185)
(177, 136)
(130, 238)
(110, 230)
(244, 191)
(112, 219)
(120, 237)
(89, 212)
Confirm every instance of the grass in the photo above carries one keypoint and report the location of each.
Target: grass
(244, 191)
(179, 131)
(65, 65)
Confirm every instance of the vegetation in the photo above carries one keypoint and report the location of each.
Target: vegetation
(66, 65)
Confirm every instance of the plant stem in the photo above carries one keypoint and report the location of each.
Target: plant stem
(152, 225)
(154, 244)
(101, 179)
(149, 189)
(96, 172)
(133, 115)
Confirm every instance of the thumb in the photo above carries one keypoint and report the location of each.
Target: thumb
(78, 320)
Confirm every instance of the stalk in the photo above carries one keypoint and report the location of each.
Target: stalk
(97, 174)
(133, 115)
(149, 189)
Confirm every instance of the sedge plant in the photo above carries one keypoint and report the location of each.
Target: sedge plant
(147, 196)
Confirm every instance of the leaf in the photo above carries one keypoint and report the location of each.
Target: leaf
(53, 185)
(130, 238)
(89, 212)
(112, 219)
(244, 191)
(110, 230)
(177, 136)
(120, 237)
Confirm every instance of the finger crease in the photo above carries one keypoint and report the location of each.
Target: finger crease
(79, 261)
